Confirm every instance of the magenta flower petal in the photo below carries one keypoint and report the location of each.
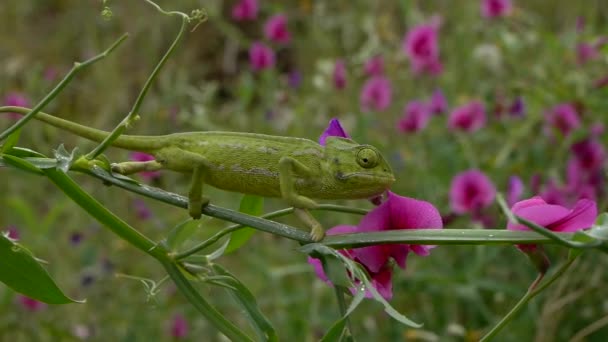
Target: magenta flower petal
(564, 118)
(495, 8)
(582, 216)
(339, 74)
(469, 117)
(471, 191)
(376, 94)
(416, 116)
(179, 327)
(438, 103)
(261, 57)
(334, 129)
(382, 281)
(245, 10)
(143, 157)
(422, 48)
(316, 263)
(276, 30)
(514, 190)
(374, 66)
(555, 217)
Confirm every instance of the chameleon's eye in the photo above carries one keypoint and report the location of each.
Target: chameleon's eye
(367, 158)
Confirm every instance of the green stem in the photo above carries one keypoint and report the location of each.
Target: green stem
(78, 66)
(533, 290)
(185, 287)
(132, 116)
(339, 291)
(217, 236)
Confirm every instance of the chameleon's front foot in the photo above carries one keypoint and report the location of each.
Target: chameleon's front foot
(317, 233)
(195, 207)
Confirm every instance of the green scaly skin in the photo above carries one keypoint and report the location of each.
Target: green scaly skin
(294, 169)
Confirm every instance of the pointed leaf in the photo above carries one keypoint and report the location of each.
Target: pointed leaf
(10, 142)
(599, 230)
(24, 152)
(252, 205)
(20, 271)
(336, 331)
(21, 164)
(181, 233)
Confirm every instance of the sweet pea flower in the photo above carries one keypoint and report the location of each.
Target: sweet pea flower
(245, 10)
(564, 118)
(276, 30)
(18, 100)
(469, 117)
(514, 190)
(179, 327)
(553, 194)
(31, 304)
(143, 157)
(334, 129)
(495, 8)
(374, 66)
(471, 191)
(396, 212)
(12, 233)
(416, 116)
(438, 103)
(421, 46)
(261, 56)
(556, 218)
(376, 94)
(589, 154)
(339, 74)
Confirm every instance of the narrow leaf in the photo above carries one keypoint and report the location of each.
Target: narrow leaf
(20, 271)
(181, 233)
(21, 164)
(251, 205)
(11, 141)
(336, 331)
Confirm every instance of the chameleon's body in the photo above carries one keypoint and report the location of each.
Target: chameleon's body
(294, 169)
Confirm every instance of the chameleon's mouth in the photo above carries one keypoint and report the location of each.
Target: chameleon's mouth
(386, 178)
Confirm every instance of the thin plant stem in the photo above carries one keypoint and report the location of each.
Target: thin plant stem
(78, 66)
(533, 290)
(339, 291)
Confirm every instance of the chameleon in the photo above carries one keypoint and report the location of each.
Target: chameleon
(297, 170)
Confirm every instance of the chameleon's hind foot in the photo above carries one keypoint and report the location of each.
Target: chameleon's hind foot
(317, 233)
(127, 168)
(195, 207)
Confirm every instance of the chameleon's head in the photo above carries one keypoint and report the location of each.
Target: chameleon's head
(360, 171)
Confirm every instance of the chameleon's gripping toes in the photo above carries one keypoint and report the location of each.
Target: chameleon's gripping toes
(294, 169)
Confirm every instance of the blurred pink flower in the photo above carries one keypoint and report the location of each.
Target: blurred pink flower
(438, 103)
(471, 191)
(179, 327)
(495, 8)
(469, 117)
(275, 29)
(339, 74)
(416, 115)
(518, 107)
(376, 94)
(294, 79)
(142, 157)
(374, 66)
(30, 304)
(596, 130)
(141, 209)
(556, 218)
(564, 118)
(245, 10)
(396, 212)
(554, 194)
(422, 48)
(586, 52)
(589, 154)
(12, 233)
(514, 190)
(261, 56)
(334, 129)
(18, 100)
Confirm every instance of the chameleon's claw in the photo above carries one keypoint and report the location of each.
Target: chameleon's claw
(317, 233)
(195, 207)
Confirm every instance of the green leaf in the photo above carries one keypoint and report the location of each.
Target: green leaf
(11, 141)
(20, 271)
(335, 270)
(599, 230)
(24, 152)
(21, 164)
(336, 331)
(251, 205)
(181, 233)
(247, 301)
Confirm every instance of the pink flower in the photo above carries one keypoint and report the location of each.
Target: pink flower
(334, 129)
(31, 304)
(438, 103)
(518, 107)
(495, 8)
(471, 191)
(275, 29)
(422, 48)
(564, 118)
(376, 94)
(339, 74)
(245, 10)
(374, 66)
(143, 157)
(261, 56)
(554, 194)
(396, 212)
(18, 100)
(12, 233)
(469, 117)
(554, 217)
(141, 209)
(589, 154)
(416, 116)
(179, 327)
(514, 190)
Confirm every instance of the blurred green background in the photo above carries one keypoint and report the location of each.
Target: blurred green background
(457, 292)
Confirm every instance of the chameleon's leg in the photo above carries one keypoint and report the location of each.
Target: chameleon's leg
(288, 168)
(196, 201)
(127, 168)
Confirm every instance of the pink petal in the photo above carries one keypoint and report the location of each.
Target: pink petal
(582, 216)
(382, 281)
(542, 214)
(334, 129)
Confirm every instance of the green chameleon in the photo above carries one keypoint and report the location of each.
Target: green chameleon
(294, 169)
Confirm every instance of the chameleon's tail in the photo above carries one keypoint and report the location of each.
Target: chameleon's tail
(128, 142)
